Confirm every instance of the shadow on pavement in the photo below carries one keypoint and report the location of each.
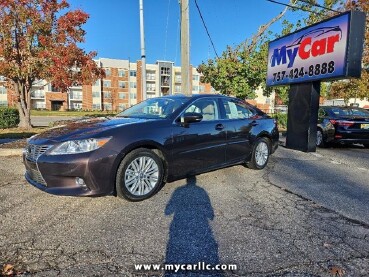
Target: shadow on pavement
(191, 240)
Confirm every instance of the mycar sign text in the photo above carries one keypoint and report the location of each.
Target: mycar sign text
(331, 49)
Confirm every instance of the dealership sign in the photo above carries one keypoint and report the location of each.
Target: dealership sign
(331, 49)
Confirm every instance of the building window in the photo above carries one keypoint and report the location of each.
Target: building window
(39, 105)
(96, 94)
(122, 107)
(108, 107)
(96, 106)
(107, 94)
(76, 106)
(202, 88)
(177, 89)
(150, 76)
(107, 71)
(2, 90)
(97, 83)
(121, 72)
(132, 73)
(165, 71)
(267, 101)
(195, 77)
(76, 95)
(107, 83)
(122, 95)
(122, 84)
(195, 88)
(2, 78)
(3, 103)
(178, 78)
(150, 87)
(133, 96)
(133, 84)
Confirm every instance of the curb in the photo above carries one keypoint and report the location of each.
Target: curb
(11, 152)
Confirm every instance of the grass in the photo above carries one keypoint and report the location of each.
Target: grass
(19, 133)
(71, 113)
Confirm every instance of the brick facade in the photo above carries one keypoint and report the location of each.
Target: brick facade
(52, 99)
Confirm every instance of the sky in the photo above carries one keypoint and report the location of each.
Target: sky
(113, 29)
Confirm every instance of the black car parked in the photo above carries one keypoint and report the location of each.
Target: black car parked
(346, 125)
(158, 140)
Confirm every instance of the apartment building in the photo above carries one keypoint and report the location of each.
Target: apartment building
(120, 89)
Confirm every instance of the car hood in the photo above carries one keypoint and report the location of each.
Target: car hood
(84, 128)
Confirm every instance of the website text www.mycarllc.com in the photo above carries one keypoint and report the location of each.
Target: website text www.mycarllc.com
(200, 266)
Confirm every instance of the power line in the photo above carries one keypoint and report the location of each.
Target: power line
(319, 6)
(206, 28)
(291, 6)
(166, 32)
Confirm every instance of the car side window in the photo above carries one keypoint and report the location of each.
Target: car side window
(206, 107)
(236, 110)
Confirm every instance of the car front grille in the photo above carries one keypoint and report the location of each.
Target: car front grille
(34, 151)
(36, 176)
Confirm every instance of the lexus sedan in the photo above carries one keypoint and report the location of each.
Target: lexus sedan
(156, 141)
(345, 125)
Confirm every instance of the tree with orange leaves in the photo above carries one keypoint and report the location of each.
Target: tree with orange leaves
(355, 88)
(39, 41)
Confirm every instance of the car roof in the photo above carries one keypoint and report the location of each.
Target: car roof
(342, 107)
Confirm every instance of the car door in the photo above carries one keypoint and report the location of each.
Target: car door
(201, 145)
(238, 121)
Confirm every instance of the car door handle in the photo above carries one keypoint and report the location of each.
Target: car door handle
(219, 127)
(254, 123)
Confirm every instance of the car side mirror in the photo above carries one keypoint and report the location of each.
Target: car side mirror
(190, 118)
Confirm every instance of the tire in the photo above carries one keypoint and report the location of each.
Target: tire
(140, 175)
(260, 154)
(320, 139)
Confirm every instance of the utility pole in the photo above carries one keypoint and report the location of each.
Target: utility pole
(185, 48)
(143, 56)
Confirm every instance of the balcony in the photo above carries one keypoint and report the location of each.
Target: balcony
(37, 95)
(77, 97)
(150, 78)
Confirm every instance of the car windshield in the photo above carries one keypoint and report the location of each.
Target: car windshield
(153, 108)
(350, 112)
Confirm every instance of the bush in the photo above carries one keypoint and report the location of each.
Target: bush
(9, 118)
(281, 119)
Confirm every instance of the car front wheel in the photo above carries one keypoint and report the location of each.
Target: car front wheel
(260, 154)
(140, 175)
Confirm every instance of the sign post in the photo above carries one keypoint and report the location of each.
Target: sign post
(329, 50)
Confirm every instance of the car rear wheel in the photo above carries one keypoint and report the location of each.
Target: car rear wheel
(320, 139)
(260, 154)
(140, 175)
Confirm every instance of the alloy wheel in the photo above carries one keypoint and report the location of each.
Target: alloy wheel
(319, 138)
(141, 176)
(261, 153)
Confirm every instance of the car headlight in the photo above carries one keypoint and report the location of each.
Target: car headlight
(78, 146)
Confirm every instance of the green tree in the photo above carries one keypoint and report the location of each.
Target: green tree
(359, 87)
(240, 70)
(38, 40)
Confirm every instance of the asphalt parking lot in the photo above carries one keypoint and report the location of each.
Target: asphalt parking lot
(306, 214)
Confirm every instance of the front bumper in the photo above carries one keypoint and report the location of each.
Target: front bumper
(58, 174)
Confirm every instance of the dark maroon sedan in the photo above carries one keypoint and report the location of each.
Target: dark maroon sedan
(159, 140)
